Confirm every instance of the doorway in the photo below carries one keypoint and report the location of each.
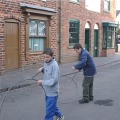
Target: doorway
(96, 38)
(96, 43)
(87, 36)
(87, 39)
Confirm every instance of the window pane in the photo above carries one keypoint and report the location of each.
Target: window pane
(33, 27)
(104, 38)
(41, 28)
(75, 0)
(107, 5)
(113, 39)
(109, 40)
(36, 44)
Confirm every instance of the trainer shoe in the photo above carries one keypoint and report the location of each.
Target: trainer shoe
(61, 118)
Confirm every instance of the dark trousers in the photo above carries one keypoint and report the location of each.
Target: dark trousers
(88, 88)
(51, 108)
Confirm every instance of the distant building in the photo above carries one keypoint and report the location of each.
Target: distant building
(27, 27)
(118, 17)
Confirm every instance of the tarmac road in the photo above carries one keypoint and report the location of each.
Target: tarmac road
(28, 103)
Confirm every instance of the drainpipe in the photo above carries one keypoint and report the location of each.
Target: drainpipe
(60, 20)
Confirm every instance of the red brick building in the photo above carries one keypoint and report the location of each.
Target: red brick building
(96, 23)
(28, 26)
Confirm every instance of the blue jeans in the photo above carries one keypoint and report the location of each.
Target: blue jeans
(51, 108)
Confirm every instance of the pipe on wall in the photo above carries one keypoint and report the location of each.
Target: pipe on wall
(60, 35)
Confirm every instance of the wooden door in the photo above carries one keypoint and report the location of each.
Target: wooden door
(12, 45)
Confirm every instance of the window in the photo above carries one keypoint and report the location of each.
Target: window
(96, 7)
(73, 32)
(75, 0)
(107, 5)
(37, 35)
(109, 37)
(37, 24)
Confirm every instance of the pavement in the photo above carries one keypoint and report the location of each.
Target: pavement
(17, 77)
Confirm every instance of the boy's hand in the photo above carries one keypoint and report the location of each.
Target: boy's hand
(40, 69)
(39, 82)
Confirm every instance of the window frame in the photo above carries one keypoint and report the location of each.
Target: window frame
(78, 31)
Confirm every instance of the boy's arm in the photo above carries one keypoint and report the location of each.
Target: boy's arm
(54, 79)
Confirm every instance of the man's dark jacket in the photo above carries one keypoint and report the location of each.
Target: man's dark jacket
(86, 63)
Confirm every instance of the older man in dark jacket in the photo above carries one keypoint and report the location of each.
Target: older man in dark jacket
(89, 70)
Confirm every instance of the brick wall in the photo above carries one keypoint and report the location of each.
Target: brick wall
(108, 52)
(11, 9)
(2, 45)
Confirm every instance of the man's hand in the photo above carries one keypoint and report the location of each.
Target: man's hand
(39, 82)
(73, 68)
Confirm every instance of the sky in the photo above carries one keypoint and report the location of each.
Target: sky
(118, 5)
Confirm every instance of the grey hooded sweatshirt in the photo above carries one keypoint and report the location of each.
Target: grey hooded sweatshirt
(51, 78)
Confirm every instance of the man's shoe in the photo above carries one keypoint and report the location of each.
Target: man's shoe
(61, 118)
(82, 101)
(91, 99)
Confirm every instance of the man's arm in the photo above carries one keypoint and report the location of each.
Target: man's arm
(81, 63)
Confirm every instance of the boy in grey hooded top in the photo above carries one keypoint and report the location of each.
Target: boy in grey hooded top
(50, 84)
(51, 78)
